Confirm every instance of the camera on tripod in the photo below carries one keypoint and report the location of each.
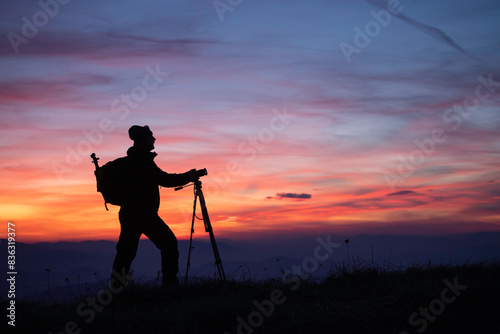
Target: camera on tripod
(198, 195)
(200, 172)
(194, 175)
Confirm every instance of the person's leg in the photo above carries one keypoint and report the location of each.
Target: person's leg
(164, 239)
(126, 248)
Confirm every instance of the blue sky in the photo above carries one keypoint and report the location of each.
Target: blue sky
(353, 133)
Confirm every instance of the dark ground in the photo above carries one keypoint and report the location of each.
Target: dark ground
(437, 299)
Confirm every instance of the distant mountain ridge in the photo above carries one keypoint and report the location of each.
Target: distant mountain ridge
(65, 264)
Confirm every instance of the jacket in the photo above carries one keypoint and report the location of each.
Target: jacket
(143, 180)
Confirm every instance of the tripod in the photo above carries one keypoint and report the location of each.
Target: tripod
(208, 228)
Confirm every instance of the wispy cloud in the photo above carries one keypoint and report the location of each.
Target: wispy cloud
(291, 195)
(402, 192)
(429, 30)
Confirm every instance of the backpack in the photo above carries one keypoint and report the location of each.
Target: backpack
(111, 180)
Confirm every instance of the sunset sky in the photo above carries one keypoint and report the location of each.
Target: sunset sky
(311, 117)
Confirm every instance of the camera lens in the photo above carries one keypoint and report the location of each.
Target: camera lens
(201, 172)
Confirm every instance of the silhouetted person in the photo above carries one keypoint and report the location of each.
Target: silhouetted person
(139, 212)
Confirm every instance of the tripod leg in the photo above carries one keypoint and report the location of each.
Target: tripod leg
(218, 260)
(208, 228)
(191, 238)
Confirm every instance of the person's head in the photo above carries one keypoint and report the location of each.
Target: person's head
(142, 137)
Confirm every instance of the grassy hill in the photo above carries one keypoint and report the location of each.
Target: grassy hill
(433, 299)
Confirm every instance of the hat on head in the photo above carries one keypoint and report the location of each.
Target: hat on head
(137, 132)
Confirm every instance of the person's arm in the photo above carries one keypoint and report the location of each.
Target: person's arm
(174, 180)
